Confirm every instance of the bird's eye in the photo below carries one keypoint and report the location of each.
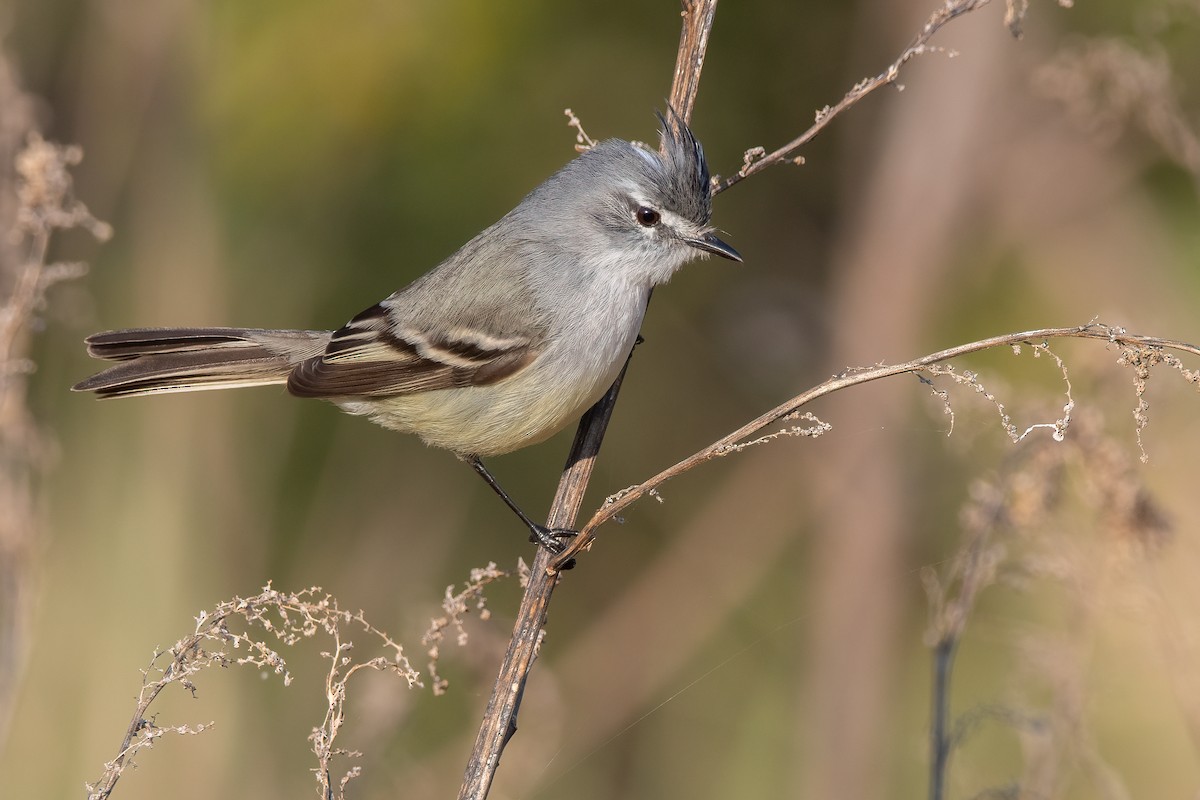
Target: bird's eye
(647, 216)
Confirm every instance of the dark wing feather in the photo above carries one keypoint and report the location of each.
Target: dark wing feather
(370, 357)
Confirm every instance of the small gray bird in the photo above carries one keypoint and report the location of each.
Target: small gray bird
(501, 345)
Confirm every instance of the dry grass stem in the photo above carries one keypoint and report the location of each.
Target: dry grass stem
(36, 201)
(1147, 349)
(289, 618)
(756, 159)
(813, 431)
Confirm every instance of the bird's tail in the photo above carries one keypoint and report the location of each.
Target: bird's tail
(156, 360)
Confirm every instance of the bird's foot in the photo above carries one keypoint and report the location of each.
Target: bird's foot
(553, 539)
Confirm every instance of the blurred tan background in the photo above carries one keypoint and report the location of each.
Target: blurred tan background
(759, 634)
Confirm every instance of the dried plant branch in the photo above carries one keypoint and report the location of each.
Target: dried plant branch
(36, 201)
(757, 159)
(46, 204)
(290, 618)
(583, 142)
(1136, 350)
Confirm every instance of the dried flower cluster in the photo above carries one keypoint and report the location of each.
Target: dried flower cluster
(457, 605)
(288, 617)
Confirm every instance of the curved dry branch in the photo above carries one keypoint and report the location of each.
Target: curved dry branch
(757, 161)
(1155, 352)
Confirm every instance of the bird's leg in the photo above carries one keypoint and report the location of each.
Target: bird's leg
(549, 538)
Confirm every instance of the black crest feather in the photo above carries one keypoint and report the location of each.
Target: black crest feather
(687, 169)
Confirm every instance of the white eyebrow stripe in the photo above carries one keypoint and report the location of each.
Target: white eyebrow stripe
(640, 200)
(675, 221)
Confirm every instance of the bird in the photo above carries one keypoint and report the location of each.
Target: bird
(499, 346)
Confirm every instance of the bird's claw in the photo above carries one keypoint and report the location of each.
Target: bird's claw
(553, 539)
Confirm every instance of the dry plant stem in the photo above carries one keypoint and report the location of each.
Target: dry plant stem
(19, 533)
(939, 736)
(500, 718)
(845, 380)
(289, 618)
(114, 768)
(36, 200)
(949, 615)
(948, 621)
(920, 45)
(689, 59)
(20, 308)
(499, 722)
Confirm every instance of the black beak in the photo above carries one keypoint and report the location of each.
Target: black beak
(711, 244)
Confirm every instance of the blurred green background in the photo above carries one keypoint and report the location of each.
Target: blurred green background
(759, 634)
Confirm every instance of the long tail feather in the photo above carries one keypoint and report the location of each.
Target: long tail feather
(157, 360)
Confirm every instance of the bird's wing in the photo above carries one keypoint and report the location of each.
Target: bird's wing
(375, 355)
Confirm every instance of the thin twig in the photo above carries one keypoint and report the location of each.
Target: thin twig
(756, 162)
(1093, 330)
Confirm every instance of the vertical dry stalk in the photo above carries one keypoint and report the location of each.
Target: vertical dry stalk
(499, 722)
(16, 524)
(951, 602)
(500, 718)
(35, 200)
(1017, 528)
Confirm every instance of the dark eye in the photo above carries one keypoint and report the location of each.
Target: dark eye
(648, 216)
